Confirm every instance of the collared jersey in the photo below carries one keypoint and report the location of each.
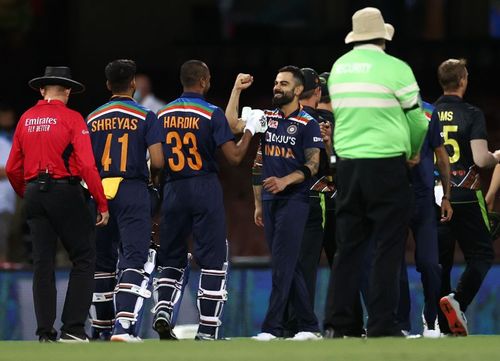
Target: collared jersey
(460, 123)
(375, 100)
(283, 148)
(194, 130)
(53, 138)
(121, 131)
(423, 173)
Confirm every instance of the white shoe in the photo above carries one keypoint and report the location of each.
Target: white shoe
(454, 315)
(431, 333)
(125, 337)
(264, 336)
(306, 336)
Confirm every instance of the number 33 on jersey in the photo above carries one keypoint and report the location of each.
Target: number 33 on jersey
(194, 129)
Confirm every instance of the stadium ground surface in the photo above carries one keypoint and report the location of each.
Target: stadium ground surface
(480, 348)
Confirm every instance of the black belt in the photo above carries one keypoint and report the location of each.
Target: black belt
(66, 180)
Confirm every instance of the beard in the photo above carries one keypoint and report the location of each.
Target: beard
(280, 99)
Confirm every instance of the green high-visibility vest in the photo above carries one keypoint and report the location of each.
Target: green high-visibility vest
(376, 103)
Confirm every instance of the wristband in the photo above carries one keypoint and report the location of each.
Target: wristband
(445, 197)
(306, 171)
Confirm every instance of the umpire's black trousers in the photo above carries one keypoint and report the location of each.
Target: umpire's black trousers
(61, 212)
(373, 202)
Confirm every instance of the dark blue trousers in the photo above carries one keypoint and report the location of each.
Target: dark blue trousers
(193, 206)
(128, 231)
(424, 227)
(284, 223)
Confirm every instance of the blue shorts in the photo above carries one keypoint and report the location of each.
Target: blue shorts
(127, 236)
(193, 206)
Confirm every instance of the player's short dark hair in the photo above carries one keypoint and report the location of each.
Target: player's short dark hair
(119, 74)
(192, 71)
(450, 72)
(296, 72)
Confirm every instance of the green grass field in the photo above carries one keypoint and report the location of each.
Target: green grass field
(477, 348)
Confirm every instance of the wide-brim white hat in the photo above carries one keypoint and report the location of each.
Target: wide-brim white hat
(368, 24)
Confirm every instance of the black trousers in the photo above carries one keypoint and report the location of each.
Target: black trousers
(373, 202)
(61, 212)
(469, 227)
(329, 242)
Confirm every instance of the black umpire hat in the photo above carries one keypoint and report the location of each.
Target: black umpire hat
(57, 75)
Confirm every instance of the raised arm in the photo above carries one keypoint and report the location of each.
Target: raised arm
(243, 81)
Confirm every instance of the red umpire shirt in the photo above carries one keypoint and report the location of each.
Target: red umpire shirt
(53, 138)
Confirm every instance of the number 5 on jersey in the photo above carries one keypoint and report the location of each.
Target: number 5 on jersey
(447, 129)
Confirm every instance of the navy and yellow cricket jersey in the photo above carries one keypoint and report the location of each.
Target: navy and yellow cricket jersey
(460, 123)
(283, 148)
(194, 129)
(121, 132)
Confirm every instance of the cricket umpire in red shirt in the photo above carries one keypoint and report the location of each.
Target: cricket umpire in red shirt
(51, 153)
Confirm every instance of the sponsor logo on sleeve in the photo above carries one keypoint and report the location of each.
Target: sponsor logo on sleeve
(272, 124)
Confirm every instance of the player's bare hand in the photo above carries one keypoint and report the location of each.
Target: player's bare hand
(102, 219)
(446, 210)
(326, 132)
(257, 217)
(274, 184)
(243, 81)
(412, 162)
(326, 129)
